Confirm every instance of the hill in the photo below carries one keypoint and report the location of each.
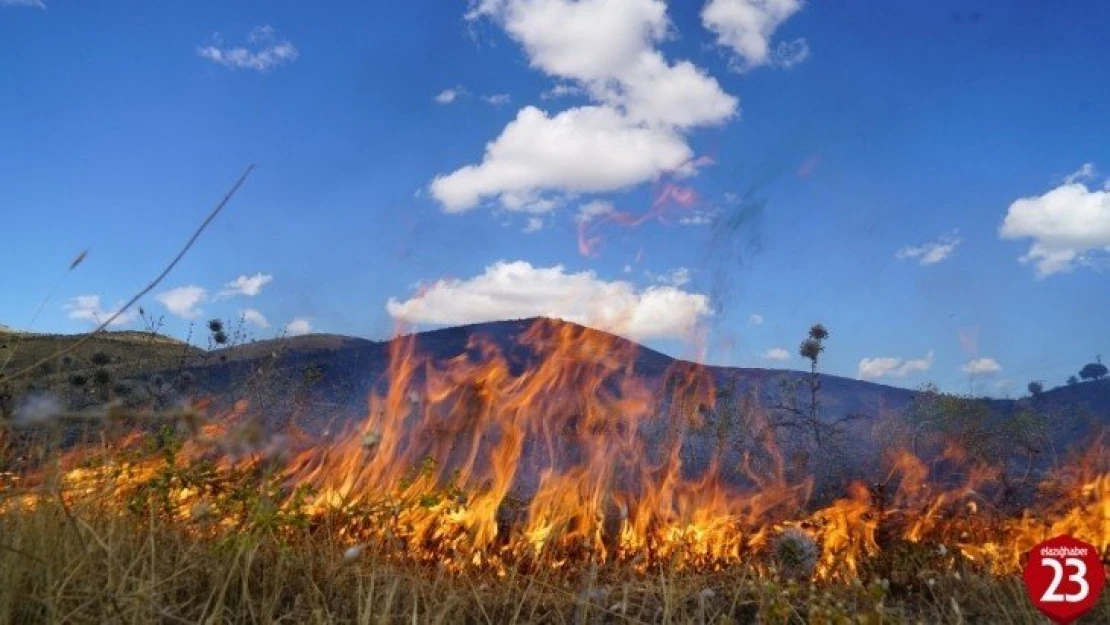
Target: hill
(322, 382)
(125, 354)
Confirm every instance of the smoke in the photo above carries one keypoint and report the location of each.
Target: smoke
(37, 410)
(735, 239)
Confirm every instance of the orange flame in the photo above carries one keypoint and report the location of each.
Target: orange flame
(562, 450)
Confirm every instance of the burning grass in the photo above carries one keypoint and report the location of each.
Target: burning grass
(415, 513)
(88, 563)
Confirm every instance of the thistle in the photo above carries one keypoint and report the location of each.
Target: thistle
(795, 552)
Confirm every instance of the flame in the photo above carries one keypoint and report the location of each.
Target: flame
(562, 450)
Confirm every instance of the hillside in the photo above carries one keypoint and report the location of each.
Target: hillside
(345, 368)
(126, 354)
(349, 367)
(323, 381)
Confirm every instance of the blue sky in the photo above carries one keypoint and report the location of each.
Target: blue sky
(928, 179)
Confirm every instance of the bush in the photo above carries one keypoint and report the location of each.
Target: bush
(1093, 371)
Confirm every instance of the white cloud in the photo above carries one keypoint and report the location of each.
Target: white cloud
(497, 99)
(776, 353)
(679, 96)
(448, 96)
(509, 290)
(87, 308)
(633, 131)
(38, 4)
(1085, 172)
(674, 277)
(183, 301)
(790, 53)
(535, 224)
(255, 318)
(581, 150)
(298, 326)
(874, 368)
(264, 51)
(596, 208)
(562, 90)
(981, 366)
(585, 40)
(755, 319)
(932, 252)
(746, 28)
(697, 218)
(249, 286)
(1068, 225)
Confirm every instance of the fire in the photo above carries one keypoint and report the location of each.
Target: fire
(562, 451)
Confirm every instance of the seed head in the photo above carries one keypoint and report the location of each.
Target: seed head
(796, 553)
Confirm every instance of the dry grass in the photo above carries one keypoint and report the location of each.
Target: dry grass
(131, 353)
(89, 559)
(111, 558)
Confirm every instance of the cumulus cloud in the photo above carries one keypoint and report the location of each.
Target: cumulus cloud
(755, 319)
(88, 308)
(254, 318)
(249, 286)
(509, 290)
(634, 130)
(776, 353)
(535, 224)
(183, 301)
(1069, 225)
(874, 368)
(298, 327)
(263, 52)
(581, 150)
(746, 27)
(448, 96)
(981, 366)
(930, 253)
